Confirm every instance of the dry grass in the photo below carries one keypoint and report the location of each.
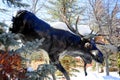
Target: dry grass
(34, 64)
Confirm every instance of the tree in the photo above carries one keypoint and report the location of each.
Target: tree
(118, 63)
(65, 10)
(105, 16)
(36, 5)
(10, 3)
(15, 3)
(11, 59)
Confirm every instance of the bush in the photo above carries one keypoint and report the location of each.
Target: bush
(10, 66)
(113, 69)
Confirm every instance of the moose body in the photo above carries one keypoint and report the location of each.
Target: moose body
(56, 40)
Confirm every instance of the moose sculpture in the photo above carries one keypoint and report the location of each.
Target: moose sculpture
(56, 40)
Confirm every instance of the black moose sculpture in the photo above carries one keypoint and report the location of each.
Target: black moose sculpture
(56, 40)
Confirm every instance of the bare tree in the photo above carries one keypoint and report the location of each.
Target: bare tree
(65, 10)
(15, 3)
(105, 15)
(36, 5)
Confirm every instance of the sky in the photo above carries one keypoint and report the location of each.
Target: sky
(7, 16)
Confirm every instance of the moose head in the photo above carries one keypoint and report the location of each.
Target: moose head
(57, 41)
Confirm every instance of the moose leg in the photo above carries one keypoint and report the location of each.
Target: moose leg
(60, 68)
(85, 68)
(55, 60)
(53, 74)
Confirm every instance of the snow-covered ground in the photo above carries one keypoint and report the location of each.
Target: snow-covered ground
(96, 76)
(93, 75)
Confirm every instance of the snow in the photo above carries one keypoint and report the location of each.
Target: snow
(96, 76)
(92, 75)
(83, 29)
(30, 69)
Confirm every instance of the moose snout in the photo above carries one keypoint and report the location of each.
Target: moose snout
(97, 56)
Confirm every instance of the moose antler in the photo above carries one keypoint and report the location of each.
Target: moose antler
(75, 30)
(89, 36)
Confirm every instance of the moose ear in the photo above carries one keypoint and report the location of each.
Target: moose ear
(20, 12)
(87, 45)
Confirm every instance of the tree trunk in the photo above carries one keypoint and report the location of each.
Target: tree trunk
(107, 64)
(97, 67)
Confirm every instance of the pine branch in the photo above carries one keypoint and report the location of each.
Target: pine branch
(30, 47)
(8, 39)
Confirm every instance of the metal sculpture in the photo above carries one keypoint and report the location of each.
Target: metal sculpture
(56, 41)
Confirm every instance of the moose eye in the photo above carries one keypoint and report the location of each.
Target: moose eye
(87, 45)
